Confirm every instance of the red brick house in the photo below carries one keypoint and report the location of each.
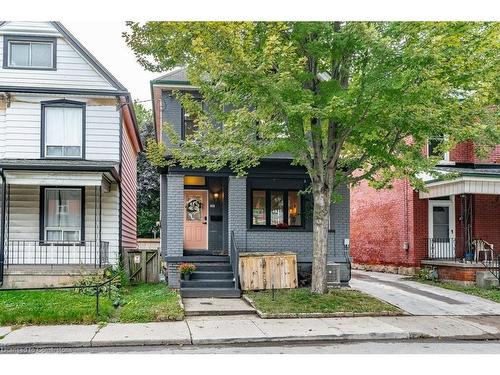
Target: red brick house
(400, 229)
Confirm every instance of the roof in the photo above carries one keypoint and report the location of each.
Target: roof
(61, 165)
(488, 170)
(176, 76)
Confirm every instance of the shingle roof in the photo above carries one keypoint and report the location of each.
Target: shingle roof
(174, 76)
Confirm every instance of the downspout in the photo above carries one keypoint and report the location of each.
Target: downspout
(2, 229)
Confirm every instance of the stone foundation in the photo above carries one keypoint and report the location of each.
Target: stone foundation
(46, 276)
(407, 271)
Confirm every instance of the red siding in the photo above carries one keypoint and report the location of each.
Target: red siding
(129, 183)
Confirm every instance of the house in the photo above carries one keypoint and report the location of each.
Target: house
(208, 218)
(68, 148)
(401, 230)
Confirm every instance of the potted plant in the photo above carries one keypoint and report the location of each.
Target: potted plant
(186, 269)
(281, 226)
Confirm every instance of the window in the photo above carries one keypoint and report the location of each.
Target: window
(29, 53)
(63, 130)
(62, 214)
(433, 145)
(271, 208)
(188, 121)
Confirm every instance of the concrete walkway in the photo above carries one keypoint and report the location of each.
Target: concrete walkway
(421, 299)
(216, 306)
(223, 330)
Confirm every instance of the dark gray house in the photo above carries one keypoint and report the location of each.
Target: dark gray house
(207, 218)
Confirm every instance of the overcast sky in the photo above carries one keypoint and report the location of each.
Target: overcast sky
(105, 42)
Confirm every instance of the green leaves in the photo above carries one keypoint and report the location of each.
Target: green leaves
(379, 90)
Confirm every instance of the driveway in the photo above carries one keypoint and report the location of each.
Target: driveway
(420, 299)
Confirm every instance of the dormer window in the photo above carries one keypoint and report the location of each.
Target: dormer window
(63, 130)
(22, 52)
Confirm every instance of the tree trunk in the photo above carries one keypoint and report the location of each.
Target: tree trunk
(321, 221)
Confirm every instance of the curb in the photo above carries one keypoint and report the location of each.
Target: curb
(264, 315)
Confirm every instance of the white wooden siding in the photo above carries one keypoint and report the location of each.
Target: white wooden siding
(23, 223)
(21, 128)
(73, 71)
(462, 185)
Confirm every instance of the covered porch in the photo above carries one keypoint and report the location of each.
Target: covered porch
(59, 215)
(463, 223)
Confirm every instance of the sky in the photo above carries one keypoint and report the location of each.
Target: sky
(105, 42)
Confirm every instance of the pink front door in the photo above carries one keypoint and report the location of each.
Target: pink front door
(195, 220)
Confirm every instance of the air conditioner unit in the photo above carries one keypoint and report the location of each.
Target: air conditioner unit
(333, 275)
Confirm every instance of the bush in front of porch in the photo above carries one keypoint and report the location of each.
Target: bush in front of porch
(303, 301)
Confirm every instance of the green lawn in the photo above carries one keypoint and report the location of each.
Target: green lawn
(141, 303)
(492, 294)
(51, 307)
(150, 303)
(294, 301)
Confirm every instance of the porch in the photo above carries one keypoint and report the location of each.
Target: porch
(463, 223)
(58, 220)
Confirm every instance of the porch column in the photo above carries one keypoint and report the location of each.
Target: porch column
(172, 225)
(237, 210)
(2, 227)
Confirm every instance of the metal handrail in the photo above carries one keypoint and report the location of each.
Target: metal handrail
(493, 265)
(35, 252)
(234, 259)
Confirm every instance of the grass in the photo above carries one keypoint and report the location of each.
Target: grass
(141, 303)
(51, 307)
(294, 301)
(492, 294)
(150, 303)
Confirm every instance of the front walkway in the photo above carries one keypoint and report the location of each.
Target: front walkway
(420, 299)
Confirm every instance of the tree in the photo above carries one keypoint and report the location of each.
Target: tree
(148, 179)
(348, 100)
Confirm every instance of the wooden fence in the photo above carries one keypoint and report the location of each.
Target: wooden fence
(260, 271)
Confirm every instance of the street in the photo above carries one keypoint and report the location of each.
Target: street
(374, 347)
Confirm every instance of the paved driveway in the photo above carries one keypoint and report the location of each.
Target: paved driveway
(420, 299)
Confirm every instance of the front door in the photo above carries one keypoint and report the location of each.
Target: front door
(195, 220)
(442, 229)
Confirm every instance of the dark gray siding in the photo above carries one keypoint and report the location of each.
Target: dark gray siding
(171, 114)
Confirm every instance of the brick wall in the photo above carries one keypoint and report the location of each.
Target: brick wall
(486, 223)
(464, 153)
(381, 222)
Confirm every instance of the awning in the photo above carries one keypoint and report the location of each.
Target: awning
(56, 178)
(469, 181)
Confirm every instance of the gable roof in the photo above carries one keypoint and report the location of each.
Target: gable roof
(88, 56)
(176, 76)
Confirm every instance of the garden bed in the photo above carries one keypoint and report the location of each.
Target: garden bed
(301, 303)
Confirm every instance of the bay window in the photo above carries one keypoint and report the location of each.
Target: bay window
(62, 214)
(276, 208)
(63, 130)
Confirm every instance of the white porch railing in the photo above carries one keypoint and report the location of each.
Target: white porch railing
(29, 252)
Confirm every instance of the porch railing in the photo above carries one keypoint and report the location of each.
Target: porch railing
(443, 248)
(234, 258)
(28, 252)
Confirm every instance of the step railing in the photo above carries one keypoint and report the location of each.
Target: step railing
(234, 259)
(493, 265)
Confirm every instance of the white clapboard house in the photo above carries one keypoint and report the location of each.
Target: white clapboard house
(68, 148)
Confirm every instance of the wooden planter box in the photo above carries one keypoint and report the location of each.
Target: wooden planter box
(259, 271)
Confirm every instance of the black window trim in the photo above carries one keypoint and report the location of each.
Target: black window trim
(28, 38)
(41, 219)
(62, 104)
(268, 208)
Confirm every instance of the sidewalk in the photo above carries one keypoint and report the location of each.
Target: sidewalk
(251, 329)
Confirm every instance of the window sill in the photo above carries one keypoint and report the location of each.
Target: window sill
(74, 243)
(28, 68)
(269, 229)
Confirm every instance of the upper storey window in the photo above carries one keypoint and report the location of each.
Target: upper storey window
(433, 146)
(29, 53)
(63, 129)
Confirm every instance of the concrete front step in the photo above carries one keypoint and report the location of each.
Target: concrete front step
(207, 275)
(207, 284)
(210, 292)
(216, 307)
(206, 259)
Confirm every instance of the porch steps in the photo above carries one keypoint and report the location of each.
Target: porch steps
(213, 278)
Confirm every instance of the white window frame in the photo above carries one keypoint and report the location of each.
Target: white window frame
(59, 228)
(45, 144)
(30, 65)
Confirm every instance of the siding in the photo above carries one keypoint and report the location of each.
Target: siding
(73, 71)
(24, 207)
(22, 127)
(129, 192)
